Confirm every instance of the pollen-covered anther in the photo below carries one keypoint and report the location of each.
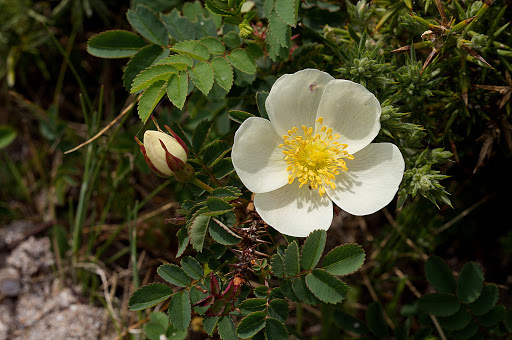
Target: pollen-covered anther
(314, 157)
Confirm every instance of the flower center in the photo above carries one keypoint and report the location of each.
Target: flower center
(314, 157)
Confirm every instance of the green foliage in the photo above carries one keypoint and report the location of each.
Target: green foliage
(150, 295)
(173, 274)
(313, 249)
(179, 310)
(439, 275)
(148, 25)
(439, 304)
(115, 44)
(7, 135)
(344, 259)
(326, 287)
(470, 283)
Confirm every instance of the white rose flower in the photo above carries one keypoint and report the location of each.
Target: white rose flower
(316, 149)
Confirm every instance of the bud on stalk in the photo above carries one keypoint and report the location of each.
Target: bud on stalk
(166, 155)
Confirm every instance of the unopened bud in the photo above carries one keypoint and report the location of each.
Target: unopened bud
(245, 29)
(166, 155)
(158, 145)
(478, 41)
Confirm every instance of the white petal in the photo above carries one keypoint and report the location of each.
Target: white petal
(371, 181)
(351, 111)
(294, 98)
(257, 158)
(294, 211)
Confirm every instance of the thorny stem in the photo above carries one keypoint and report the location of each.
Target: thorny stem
(202, 185)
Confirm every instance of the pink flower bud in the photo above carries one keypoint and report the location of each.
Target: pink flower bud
(163, 153)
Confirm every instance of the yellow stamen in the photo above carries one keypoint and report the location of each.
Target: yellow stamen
(314, 158)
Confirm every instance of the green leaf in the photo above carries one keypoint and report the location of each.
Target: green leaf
(180, 61)
(202, 76)
(150, 99)
(205, 27)
(241, 60)
(217, 9)
(153, 330)
(214, 152)
(179, 310)
(239, 116)
(183, 240)
(279, 31)
(147, 23)
(173, 274)
(313, 249)
(286, 11)
(268, 7)
(466, 333)
(456, 321)
(261, 292)
(439, 275)
(115, 44)
(439, 304)
(291, 259)
(192, 267)
(178, 27)
(218, 206)
(232, 40)
(261, 98)
(226, 328)
(275, 330)
(494, 316)
(344, 259)
(508, 320)
(177, 88)
(161, 318)
(223, 72)
(485, 301)
(470, 283)
(148, 296)
(192, 48)
(278, 38)
(375, 320)
(151, 75)
(146, 57)
(349, 323)
(7, 136)
(287, 290)
(252, 305)
(301, 290)
(201, 134)
(209, 324)
(326, 287)
(228, 193)
(222, 234)
(278, 309)
(214, 45)
(251, 324)
(277, 265)
(223, 168)
(198, 231)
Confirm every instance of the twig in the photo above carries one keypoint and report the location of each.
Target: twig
(102, 131)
